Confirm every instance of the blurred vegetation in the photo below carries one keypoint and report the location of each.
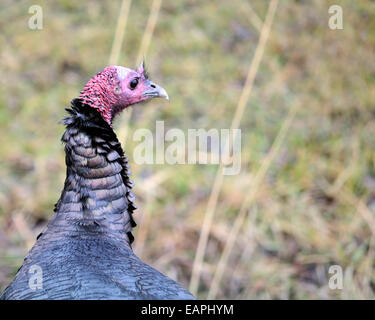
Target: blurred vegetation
(316, 206)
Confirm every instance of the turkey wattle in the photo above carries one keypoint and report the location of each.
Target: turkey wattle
(85, 251)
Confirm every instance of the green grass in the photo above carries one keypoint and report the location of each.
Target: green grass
(315, 206)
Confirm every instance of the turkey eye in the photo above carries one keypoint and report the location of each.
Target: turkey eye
(133, 83)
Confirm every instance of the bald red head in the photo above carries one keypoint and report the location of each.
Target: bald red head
(116, 87)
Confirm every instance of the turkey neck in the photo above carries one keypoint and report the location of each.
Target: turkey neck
(97, 197)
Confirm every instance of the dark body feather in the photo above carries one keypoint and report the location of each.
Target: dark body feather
(85, 251)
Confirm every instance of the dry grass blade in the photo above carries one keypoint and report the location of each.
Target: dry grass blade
(145, 44)
(208, 218)
(120, 31)
(249, 198)
(362, 208)
(149, 31)
(150, 186)
(253, 17)
(207, 222)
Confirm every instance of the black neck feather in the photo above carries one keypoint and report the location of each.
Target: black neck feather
(97, 194)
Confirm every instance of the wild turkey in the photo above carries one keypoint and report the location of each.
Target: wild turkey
(85, 251)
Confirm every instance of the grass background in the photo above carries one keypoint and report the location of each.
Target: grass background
(315, 206)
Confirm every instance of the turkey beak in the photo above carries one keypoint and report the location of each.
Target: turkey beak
(154, 91)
